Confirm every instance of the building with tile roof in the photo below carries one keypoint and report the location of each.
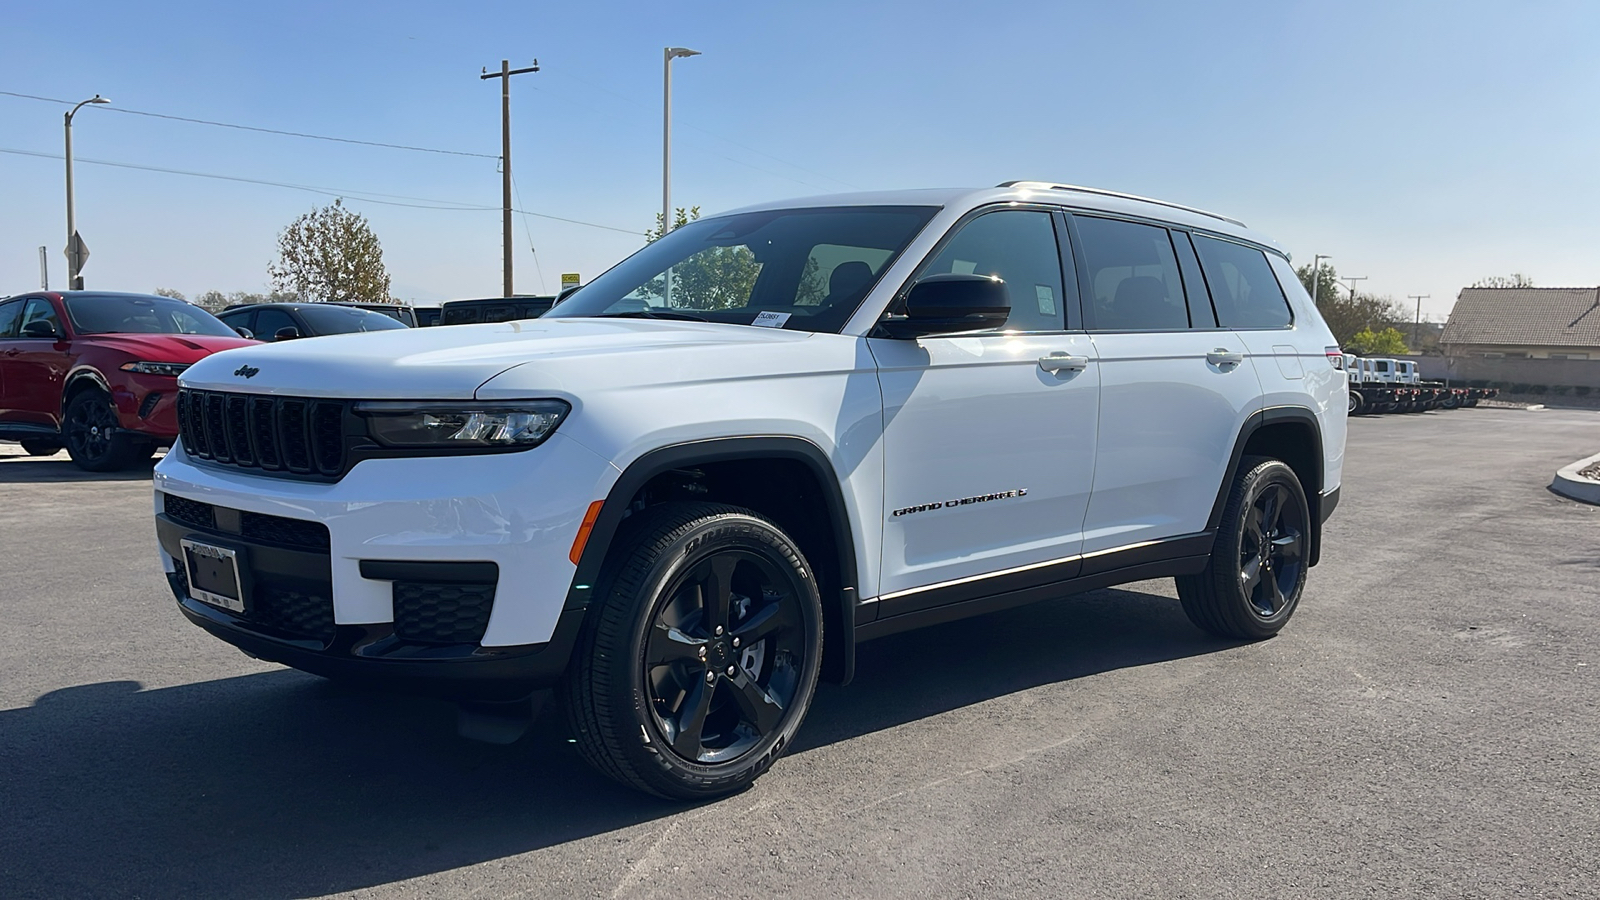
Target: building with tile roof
(1524, 323)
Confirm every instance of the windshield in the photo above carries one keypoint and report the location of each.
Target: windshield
(346, 319)
(802, 269)
(111, 314)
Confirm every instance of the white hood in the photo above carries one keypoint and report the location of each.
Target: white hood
(446, 362)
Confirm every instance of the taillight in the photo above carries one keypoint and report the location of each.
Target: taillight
(1335, 357)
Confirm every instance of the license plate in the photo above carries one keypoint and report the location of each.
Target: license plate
(213, 574)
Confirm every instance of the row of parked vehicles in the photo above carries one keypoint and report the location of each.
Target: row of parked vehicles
(96, 372)
(1395, 386)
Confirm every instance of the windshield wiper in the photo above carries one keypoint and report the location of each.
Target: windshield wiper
(652, 314)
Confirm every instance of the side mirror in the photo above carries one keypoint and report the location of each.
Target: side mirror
(40, 328)
(244, 332)
(940, 304)
(286, 333)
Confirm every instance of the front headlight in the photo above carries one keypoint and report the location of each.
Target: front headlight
(443, 425)
(155, 368)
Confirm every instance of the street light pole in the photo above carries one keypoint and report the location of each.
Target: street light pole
(504, 75)
(668, 54)
(1316, 263)
(73, 279)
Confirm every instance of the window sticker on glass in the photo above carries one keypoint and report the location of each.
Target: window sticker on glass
(963, 267)
(769, 319)
(1047, 299)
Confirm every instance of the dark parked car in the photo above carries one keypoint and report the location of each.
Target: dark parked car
(396, 311)
(286, 321)
(97, 372)
(494, 309)
(426, 315)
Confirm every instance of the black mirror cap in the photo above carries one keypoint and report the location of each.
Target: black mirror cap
(245, 332)
(39, 328)
(940, 304)
(286, 333)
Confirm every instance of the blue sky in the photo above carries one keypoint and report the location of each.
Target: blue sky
(1424, 145)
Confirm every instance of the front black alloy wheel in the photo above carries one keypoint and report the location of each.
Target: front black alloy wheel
(700, 661)
(94, 438)
(1257, 571)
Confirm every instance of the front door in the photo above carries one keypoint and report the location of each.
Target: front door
(1175, 388)
(36, 368)
(989, 455)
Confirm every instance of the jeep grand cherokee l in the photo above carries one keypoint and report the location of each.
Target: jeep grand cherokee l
(687, 493)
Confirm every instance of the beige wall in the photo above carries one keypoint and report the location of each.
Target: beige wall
(1504, 373)
(1522, 352)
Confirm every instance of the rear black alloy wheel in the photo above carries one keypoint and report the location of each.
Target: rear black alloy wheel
(1257, 570)
(701, 661)
(94, 438)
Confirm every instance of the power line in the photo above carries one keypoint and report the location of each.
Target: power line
(529, 232)
(298, 134)
(362, 196)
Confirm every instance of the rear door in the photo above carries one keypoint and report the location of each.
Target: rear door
(989, 456)
(1175, 389)
(10, 320)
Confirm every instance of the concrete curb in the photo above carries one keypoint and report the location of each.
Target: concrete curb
(1569, 483)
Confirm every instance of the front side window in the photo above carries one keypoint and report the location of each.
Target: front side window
(1019, 248)
(1134, 280)
(10, 318)
(1243, 289)
(269, 321)
(802, 269)
(113, 314)
(40, 310)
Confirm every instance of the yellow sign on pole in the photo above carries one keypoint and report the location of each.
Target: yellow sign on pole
(570, 280)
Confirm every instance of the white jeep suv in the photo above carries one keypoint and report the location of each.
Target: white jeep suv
(691, 489)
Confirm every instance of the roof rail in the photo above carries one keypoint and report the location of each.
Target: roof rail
(1105, 193)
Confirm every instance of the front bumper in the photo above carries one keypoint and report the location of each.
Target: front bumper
(517, 511)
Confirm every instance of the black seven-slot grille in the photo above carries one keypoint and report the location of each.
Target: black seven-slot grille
(295, 435)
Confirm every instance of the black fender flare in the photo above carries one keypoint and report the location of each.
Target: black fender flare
(77, 377)
(1258, 420)
(840, 653)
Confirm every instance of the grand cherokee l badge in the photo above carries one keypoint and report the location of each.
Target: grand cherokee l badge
(964, 501)
(246, 371)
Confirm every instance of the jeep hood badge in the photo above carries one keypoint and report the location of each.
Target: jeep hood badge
(246, 371)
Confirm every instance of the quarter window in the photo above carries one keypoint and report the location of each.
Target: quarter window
(1019, 247)
(1133, 276)
(1243, 289)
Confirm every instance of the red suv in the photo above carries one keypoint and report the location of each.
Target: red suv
(98, 372)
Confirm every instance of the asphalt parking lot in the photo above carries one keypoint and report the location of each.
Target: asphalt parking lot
(1426, 726)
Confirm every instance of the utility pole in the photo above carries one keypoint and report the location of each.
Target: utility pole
(504, 75)
(668, 54)
(1416, 326)
(1352, 286)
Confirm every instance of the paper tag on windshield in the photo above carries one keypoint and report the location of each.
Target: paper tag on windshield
(770, 319)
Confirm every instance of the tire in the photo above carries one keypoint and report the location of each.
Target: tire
(1355, 403)
(649, 695)
(95, 439)
(1265, 528)
(34, 447)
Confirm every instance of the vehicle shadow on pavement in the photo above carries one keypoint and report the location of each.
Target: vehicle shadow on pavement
(18, 468)
(280, 784)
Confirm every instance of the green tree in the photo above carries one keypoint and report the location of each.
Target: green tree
(1346, 312)
(714, 278)
(1514, 280)
(330, 254)
(169, 292)
(1366, 342)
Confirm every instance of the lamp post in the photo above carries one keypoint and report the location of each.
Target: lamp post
(74, 281)
(668, 55)
(1316, 264)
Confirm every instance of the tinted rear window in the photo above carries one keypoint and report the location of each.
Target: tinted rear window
(1243, 289)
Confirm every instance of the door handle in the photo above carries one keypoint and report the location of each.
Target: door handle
(1055, 362)
(1222, 357)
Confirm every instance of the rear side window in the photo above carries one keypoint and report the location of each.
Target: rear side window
(1134, 284)
(1243, 289)
(10, 318)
